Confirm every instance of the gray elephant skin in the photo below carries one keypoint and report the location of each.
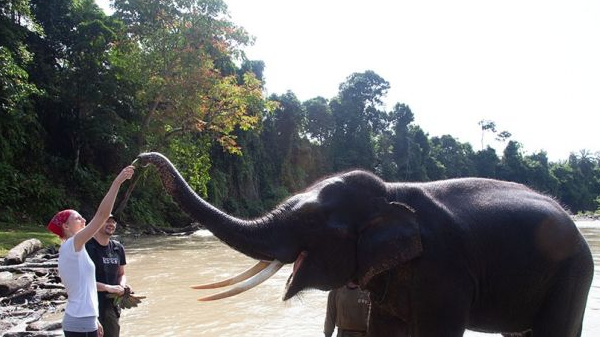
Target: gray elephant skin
(437, 257)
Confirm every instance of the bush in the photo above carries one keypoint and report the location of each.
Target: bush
(29, 196)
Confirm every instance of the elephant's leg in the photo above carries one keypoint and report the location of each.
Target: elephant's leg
(442, 304)
(561, 314)
(444, 328)
(446, 318)
(382, 324)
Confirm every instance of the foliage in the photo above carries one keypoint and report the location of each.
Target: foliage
(184, 54)
(357, 118)
(82, 93)
(190, 154)
(319, 125)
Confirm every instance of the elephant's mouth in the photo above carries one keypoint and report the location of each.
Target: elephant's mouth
(292, 288)
(252, 277)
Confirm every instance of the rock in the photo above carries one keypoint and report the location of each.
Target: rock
(6, 275)
(8, 287)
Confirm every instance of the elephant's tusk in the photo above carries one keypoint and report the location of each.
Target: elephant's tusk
(259, 278)
(235, 279)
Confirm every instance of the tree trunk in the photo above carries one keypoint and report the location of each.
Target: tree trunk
(20, 252)
(146, 123)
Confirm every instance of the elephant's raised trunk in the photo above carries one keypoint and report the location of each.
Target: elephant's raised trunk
(247, 237)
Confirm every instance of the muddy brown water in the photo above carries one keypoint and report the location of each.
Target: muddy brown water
(164, 268)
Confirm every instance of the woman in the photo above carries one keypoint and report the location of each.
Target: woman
(75, 267)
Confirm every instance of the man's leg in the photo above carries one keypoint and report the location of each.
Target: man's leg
(109, 318)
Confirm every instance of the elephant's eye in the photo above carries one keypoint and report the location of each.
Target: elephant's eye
(316, 219)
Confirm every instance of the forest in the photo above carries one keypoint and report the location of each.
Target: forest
(82, 93)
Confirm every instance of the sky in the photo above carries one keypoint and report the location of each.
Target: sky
(532, 67)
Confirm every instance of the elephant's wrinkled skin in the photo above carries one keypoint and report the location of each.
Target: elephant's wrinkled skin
(437, 257)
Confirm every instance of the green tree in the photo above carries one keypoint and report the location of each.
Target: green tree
(319, 126)
(569, 191)
(287, 123)
(182, 55)
(23, 188)
(486, 163)
(401, 116)
(186, 55)
(85, 95)
(18, 122)
(503, 136)
(454, 156)
(539, 175)
(578, 180)
(486, 125)
(425, 167)
(512, 166)
(357, 118)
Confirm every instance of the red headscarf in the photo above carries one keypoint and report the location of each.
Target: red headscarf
(55, 225)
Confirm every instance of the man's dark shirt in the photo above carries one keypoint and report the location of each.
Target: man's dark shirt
(107, 260)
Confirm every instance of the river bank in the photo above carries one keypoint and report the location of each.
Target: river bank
(31, 296)
(586, 217)
(32, 299)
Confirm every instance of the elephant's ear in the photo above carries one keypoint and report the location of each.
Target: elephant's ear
(391, 237)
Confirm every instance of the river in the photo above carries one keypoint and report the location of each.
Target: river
(164, 268)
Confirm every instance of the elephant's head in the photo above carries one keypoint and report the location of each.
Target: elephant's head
(340, 229)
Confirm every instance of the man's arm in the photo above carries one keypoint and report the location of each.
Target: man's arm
(114, 289)
(330, 314)
(122, 279)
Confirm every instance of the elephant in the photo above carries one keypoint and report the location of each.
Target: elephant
(436, 257)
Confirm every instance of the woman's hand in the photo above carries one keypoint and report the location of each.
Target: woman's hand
(100, 329)
(125, 174)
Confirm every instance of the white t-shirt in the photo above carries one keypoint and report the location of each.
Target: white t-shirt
(78, 274)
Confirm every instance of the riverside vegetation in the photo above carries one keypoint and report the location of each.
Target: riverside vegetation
(82, 93)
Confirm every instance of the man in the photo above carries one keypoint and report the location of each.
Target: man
(109, 258)
(348, 309)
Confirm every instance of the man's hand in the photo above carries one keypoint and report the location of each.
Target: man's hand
(116, 289)
(126, 300)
